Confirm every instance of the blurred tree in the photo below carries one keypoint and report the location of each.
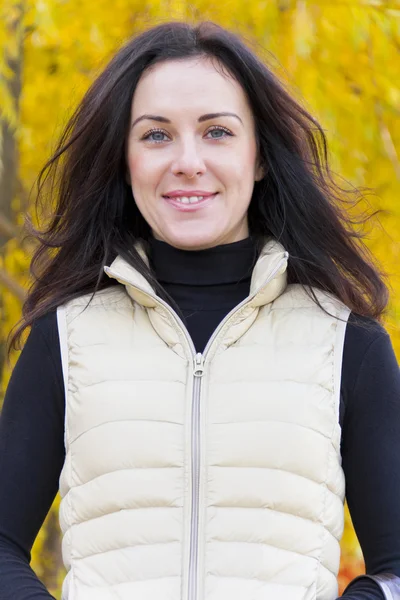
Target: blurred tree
(11, 72)
(10, 95)
(341, 59)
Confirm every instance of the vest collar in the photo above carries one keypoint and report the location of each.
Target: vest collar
(268, 281)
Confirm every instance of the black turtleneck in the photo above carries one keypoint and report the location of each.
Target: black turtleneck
(204, 285)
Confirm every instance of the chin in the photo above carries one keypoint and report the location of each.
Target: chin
(193, 239)
(192, 242)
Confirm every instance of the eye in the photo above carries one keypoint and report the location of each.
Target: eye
(222, 129)
(148, 135)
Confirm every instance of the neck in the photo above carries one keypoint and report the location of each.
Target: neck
(227, 263)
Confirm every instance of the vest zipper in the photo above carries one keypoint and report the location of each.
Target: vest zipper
(194, 521)
(198, 372)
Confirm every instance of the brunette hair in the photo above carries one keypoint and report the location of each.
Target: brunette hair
(95, 217)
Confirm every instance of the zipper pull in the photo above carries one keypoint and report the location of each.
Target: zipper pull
(198, 365)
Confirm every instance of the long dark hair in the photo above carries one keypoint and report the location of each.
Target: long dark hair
(95, 216)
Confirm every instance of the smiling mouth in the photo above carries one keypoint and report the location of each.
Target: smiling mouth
(190, 199)
(185, 203)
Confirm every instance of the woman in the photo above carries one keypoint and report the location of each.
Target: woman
(206, 368)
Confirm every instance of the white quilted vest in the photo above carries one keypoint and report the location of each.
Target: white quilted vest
(214, 476)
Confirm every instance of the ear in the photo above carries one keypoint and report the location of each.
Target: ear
(261, 172)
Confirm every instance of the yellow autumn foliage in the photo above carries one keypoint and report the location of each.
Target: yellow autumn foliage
(340, 58)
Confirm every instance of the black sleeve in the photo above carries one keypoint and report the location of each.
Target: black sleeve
(31, 457)
(370, 416)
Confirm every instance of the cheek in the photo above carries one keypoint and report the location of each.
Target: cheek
(145, 167)
(142, 174)
(248, 161)
(240, 165)
(135, 162)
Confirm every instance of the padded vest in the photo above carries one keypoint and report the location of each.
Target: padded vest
(213, 476)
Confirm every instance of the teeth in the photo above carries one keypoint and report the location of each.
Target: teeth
(190, 199)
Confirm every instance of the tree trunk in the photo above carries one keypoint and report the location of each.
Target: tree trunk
(8, 141)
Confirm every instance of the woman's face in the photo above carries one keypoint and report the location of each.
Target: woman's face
(179, 147)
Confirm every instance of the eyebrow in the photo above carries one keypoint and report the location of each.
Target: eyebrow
(206, 117)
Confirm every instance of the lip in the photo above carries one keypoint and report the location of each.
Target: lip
(180, 193)
(190, 207)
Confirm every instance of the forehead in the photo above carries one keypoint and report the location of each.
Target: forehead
(192, 85)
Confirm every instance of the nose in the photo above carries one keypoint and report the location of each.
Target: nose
(188, 160)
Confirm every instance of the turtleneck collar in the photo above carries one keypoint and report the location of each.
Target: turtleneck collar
(227, 263)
